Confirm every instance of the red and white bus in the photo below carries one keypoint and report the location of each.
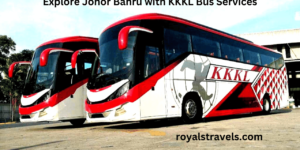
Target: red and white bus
(54, 91)
(157, 66)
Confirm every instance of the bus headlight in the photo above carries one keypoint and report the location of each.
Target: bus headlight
(119, 92)
(43, 98)
(122, 90)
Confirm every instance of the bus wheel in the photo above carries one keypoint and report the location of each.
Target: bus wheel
(77, 122)
(266, 106)
(191, 110)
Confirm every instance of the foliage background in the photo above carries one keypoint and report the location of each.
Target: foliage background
(11, 88)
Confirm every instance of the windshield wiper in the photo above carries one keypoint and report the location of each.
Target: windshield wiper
(100, 75)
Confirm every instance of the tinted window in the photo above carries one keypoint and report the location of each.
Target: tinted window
(231, 52)
(68, 66)
(152, 63)
(40, 78)
(206, 46)
(87, 65)
(279, 62)
(86, 61)
(210, 44)
(175, 43)
(251, 57)
(39, 50)
(66, 75)
(267, 61)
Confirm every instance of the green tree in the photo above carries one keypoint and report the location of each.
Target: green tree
(12, 87)
(20, 72)
(7, 45)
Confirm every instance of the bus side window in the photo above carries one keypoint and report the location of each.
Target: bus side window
(279, 63)
(85, 62)
(87, 65)
(68, 68)
(232, 53)
(87, 68)
(206, 46)
(251, 57)
(176, 43)
(267, 61)
(152, 63)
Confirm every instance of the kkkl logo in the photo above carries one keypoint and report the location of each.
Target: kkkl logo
(231, 74)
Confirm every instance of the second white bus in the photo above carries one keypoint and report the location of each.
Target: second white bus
(155, 66)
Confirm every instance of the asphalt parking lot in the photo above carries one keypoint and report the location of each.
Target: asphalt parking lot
(278, 130)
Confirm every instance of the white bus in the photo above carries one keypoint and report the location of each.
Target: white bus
(155, 66)
(54, 91)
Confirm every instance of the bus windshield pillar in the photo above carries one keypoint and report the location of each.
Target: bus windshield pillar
(124, 32)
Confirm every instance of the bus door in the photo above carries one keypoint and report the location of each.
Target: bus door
(153, 102)
(68, 84)
(84, 65)
(73, 82)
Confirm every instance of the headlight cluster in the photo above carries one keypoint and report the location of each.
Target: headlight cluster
(43, 98)
(119, 92)
(122, 90)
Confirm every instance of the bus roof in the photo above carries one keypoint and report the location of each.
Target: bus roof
(71, 39)
(156, 16)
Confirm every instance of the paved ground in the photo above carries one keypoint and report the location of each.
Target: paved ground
(280, 130)
(16, 125)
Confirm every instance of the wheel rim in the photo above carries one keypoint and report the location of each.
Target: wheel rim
(190, 108)
(267, 105)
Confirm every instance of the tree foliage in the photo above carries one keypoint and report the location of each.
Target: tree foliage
(7, 45)
(13, 87)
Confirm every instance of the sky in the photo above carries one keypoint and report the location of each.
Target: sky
(30, 23)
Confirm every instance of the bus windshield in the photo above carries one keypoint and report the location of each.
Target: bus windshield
(112, 59)
(115, 64)
(40, 78)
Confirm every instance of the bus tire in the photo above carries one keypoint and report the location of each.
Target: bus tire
(266, 105)
(191, 110)
(77, 122)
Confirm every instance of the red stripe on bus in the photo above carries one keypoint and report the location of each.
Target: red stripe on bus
(54, 99)
(71, 39)
(154, 16)
(133, 94)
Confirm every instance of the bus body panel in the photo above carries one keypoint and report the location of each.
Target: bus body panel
(153, 103)
(229, 74)
(129, 112)
(72, 106)
(63, 109)
(213, 92)
(173, 104)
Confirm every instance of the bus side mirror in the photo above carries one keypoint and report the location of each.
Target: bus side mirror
(78, 52)
(12, 66)
(124, 32)
(45, 54)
